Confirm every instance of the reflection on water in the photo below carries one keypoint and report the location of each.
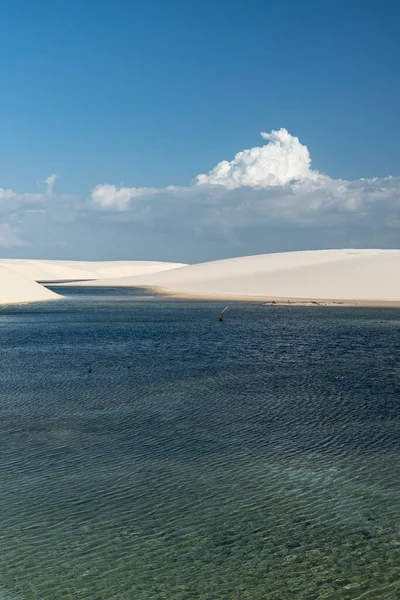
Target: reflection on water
(199, 460)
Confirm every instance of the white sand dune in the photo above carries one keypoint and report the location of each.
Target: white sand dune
(16, 289)
(352, 275)
(330, 275)
(18, 277)
(61, 270)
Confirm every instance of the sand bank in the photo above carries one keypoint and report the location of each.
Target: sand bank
(336, 277)
(265, 300)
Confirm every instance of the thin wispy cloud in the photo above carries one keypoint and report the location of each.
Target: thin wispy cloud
(10, 237)
(50, 181)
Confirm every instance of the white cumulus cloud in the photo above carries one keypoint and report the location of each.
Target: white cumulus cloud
(265, 198)
(282, 160)
(274, 181)
(263, 189)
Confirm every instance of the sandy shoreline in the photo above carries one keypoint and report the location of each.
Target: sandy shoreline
(276, 301)
(267, 300)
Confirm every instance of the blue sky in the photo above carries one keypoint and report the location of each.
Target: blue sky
(152, 93)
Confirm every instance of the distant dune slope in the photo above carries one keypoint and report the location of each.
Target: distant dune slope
(60, 270)
(15, 289)
(370, 275)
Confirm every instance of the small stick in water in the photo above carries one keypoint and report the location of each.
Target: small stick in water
(221, 317)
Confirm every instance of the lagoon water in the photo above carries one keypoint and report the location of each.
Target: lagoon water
(249, 460)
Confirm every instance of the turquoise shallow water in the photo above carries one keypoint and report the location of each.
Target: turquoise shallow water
(198, 460)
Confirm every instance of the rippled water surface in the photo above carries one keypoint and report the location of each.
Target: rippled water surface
(253, 459)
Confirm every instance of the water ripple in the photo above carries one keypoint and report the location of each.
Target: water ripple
(241, 462)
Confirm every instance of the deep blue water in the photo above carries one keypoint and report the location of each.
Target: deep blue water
(252, 459)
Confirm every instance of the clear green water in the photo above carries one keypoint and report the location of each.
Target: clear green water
(199, 460)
